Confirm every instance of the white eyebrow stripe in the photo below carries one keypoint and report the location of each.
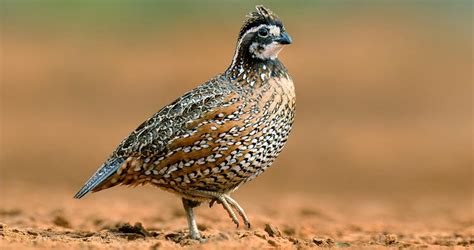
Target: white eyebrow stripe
(274, 30)
(254, 29)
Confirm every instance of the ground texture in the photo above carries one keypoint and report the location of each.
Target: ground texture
(126, 218)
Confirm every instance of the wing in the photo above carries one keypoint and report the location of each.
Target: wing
(153, 135)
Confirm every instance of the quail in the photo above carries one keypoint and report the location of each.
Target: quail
(220, 135)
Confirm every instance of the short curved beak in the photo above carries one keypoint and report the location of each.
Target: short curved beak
(284, 38)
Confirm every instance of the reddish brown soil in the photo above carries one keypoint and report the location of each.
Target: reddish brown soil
(145, 218)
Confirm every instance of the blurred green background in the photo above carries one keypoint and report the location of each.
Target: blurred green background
(384, 89)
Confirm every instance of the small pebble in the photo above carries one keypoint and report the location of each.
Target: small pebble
(390, 239)
(273, 231)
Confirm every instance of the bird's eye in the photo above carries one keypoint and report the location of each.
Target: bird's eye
(263, 32)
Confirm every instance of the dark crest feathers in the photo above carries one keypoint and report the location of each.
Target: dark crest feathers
(261, 15)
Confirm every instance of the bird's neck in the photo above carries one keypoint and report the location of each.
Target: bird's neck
(253, 71)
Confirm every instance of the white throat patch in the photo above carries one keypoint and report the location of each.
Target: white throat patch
(269, 51)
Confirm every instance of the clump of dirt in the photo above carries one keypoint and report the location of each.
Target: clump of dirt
(324, 242)
(390, 239)
(273, 231)
(2, 228)
(127, 229)
(61, 221)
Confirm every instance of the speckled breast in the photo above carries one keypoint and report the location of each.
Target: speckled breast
(277, 104)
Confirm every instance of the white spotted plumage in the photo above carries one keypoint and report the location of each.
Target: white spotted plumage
(218, 136)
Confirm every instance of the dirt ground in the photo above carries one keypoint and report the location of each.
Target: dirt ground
(146, 218)
(381, 153)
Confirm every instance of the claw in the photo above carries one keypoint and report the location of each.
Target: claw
(239, 209)
(229, 210)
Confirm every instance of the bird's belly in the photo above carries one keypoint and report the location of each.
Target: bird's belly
(275, 130)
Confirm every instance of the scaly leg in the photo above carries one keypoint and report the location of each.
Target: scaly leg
(193, 229)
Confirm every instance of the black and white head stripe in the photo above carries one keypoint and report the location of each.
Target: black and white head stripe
(258, 17)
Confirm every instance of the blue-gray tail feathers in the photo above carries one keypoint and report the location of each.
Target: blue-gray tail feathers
(108, 169)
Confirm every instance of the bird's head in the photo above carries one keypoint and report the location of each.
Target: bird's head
(262, 36)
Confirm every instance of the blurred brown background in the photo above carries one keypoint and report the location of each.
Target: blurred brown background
(384, 90)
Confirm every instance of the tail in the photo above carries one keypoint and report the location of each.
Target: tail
(105, 171)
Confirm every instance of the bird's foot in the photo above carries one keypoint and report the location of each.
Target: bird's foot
(229, 205)
(239, 209)
(197, 236)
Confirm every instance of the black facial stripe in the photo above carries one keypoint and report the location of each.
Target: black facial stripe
(253, 25)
